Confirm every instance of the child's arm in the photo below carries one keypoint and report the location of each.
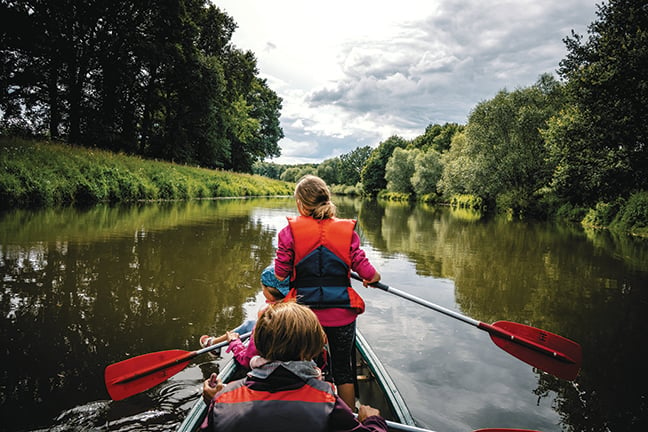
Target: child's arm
(285, 254)
(243, 354)
(360, 264)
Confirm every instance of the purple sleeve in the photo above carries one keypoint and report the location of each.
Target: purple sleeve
(343, 420)
(359, 262)
(285, 253)
(243, 354)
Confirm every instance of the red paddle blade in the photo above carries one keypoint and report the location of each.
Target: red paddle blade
(544, 350)
(137, 374)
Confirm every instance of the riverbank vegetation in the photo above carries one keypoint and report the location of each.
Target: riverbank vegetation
(571, 148)
(42, 174)
(160, 81)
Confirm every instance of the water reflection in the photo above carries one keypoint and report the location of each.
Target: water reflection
(590, 287)
(83, 289)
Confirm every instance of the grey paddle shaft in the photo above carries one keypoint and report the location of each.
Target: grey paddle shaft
(220, 345)
(422, 302)
(402, 427)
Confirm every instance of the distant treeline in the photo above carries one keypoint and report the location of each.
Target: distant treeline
(576, 148)
(156, 79)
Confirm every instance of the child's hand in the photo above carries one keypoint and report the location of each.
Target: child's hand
(210, 387)
(374, 279)
(231, 336)
(366, 411)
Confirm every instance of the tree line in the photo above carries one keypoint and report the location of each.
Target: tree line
(160, 79)
(575, 143)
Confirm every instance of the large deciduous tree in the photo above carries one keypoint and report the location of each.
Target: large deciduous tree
(503, 158)
(373, 173)
(400, 169)
(600, 144)
(160, 79)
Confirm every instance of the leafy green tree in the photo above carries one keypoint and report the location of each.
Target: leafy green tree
(437, 137)
(427, 172)
(329, 171)
(501, 155)
(460, 167)
(267, 169)
(400, 169)
(373, 173)
(351, 165)
(599, 146)
(162, 81)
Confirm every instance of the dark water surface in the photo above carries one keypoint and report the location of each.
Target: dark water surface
(82, 289)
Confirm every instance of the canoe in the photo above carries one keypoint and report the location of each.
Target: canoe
(374, 387)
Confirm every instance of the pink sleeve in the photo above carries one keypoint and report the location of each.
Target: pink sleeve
(359, 262)
(285, 253)
(243, 354)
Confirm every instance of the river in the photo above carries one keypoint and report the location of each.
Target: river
(85, 288)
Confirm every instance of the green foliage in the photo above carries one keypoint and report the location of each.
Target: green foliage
(351, 165)
(387, 195)
(633, 216)
(400, 169)
(601, 216)
(501, 155)
(601, 141)
(329, 171)
(355, 190)
(38, 174)
(373, 172)
(571, 213)
(469, 202)
(427, 173)
(459, 167)
(161, 82)
(437, 137)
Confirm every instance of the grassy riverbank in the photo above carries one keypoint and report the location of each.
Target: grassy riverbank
(45, 174)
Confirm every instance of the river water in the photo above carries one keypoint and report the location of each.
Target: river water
(85, 288)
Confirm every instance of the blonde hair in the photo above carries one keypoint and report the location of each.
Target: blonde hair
(288, 331)
(315, 198)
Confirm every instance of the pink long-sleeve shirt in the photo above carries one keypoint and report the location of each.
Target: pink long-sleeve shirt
(284, 263)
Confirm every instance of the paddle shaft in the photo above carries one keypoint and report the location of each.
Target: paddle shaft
(409, 428)
(172, 362)
(495, 331)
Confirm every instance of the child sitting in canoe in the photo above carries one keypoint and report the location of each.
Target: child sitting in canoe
(285, 392)
(274, 291)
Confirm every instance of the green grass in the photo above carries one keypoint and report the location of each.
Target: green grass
(37, 174)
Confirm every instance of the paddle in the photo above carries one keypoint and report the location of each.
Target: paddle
(409, 428)
(539, 348)
(135, 375)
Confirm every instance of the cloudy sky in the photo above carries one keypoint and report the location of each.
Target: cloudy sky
(355, 72)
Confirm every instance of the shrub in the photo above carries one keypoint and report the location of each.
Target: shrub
(602, 215)
(633, 217)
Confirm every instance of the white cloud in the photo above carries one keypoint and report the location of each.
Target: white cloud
(352, 73)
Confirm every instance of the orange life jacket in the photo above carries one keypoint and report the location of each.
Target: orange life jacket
(322, 260)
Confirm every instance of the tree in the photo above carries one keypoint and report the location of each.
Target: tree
(460, 168)
(161, 80)
(351, 165)
(427, 172)
(600, 145)
(502, 156)
(329, 171)
(400, 169)
(437, 137)
(373, 173)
